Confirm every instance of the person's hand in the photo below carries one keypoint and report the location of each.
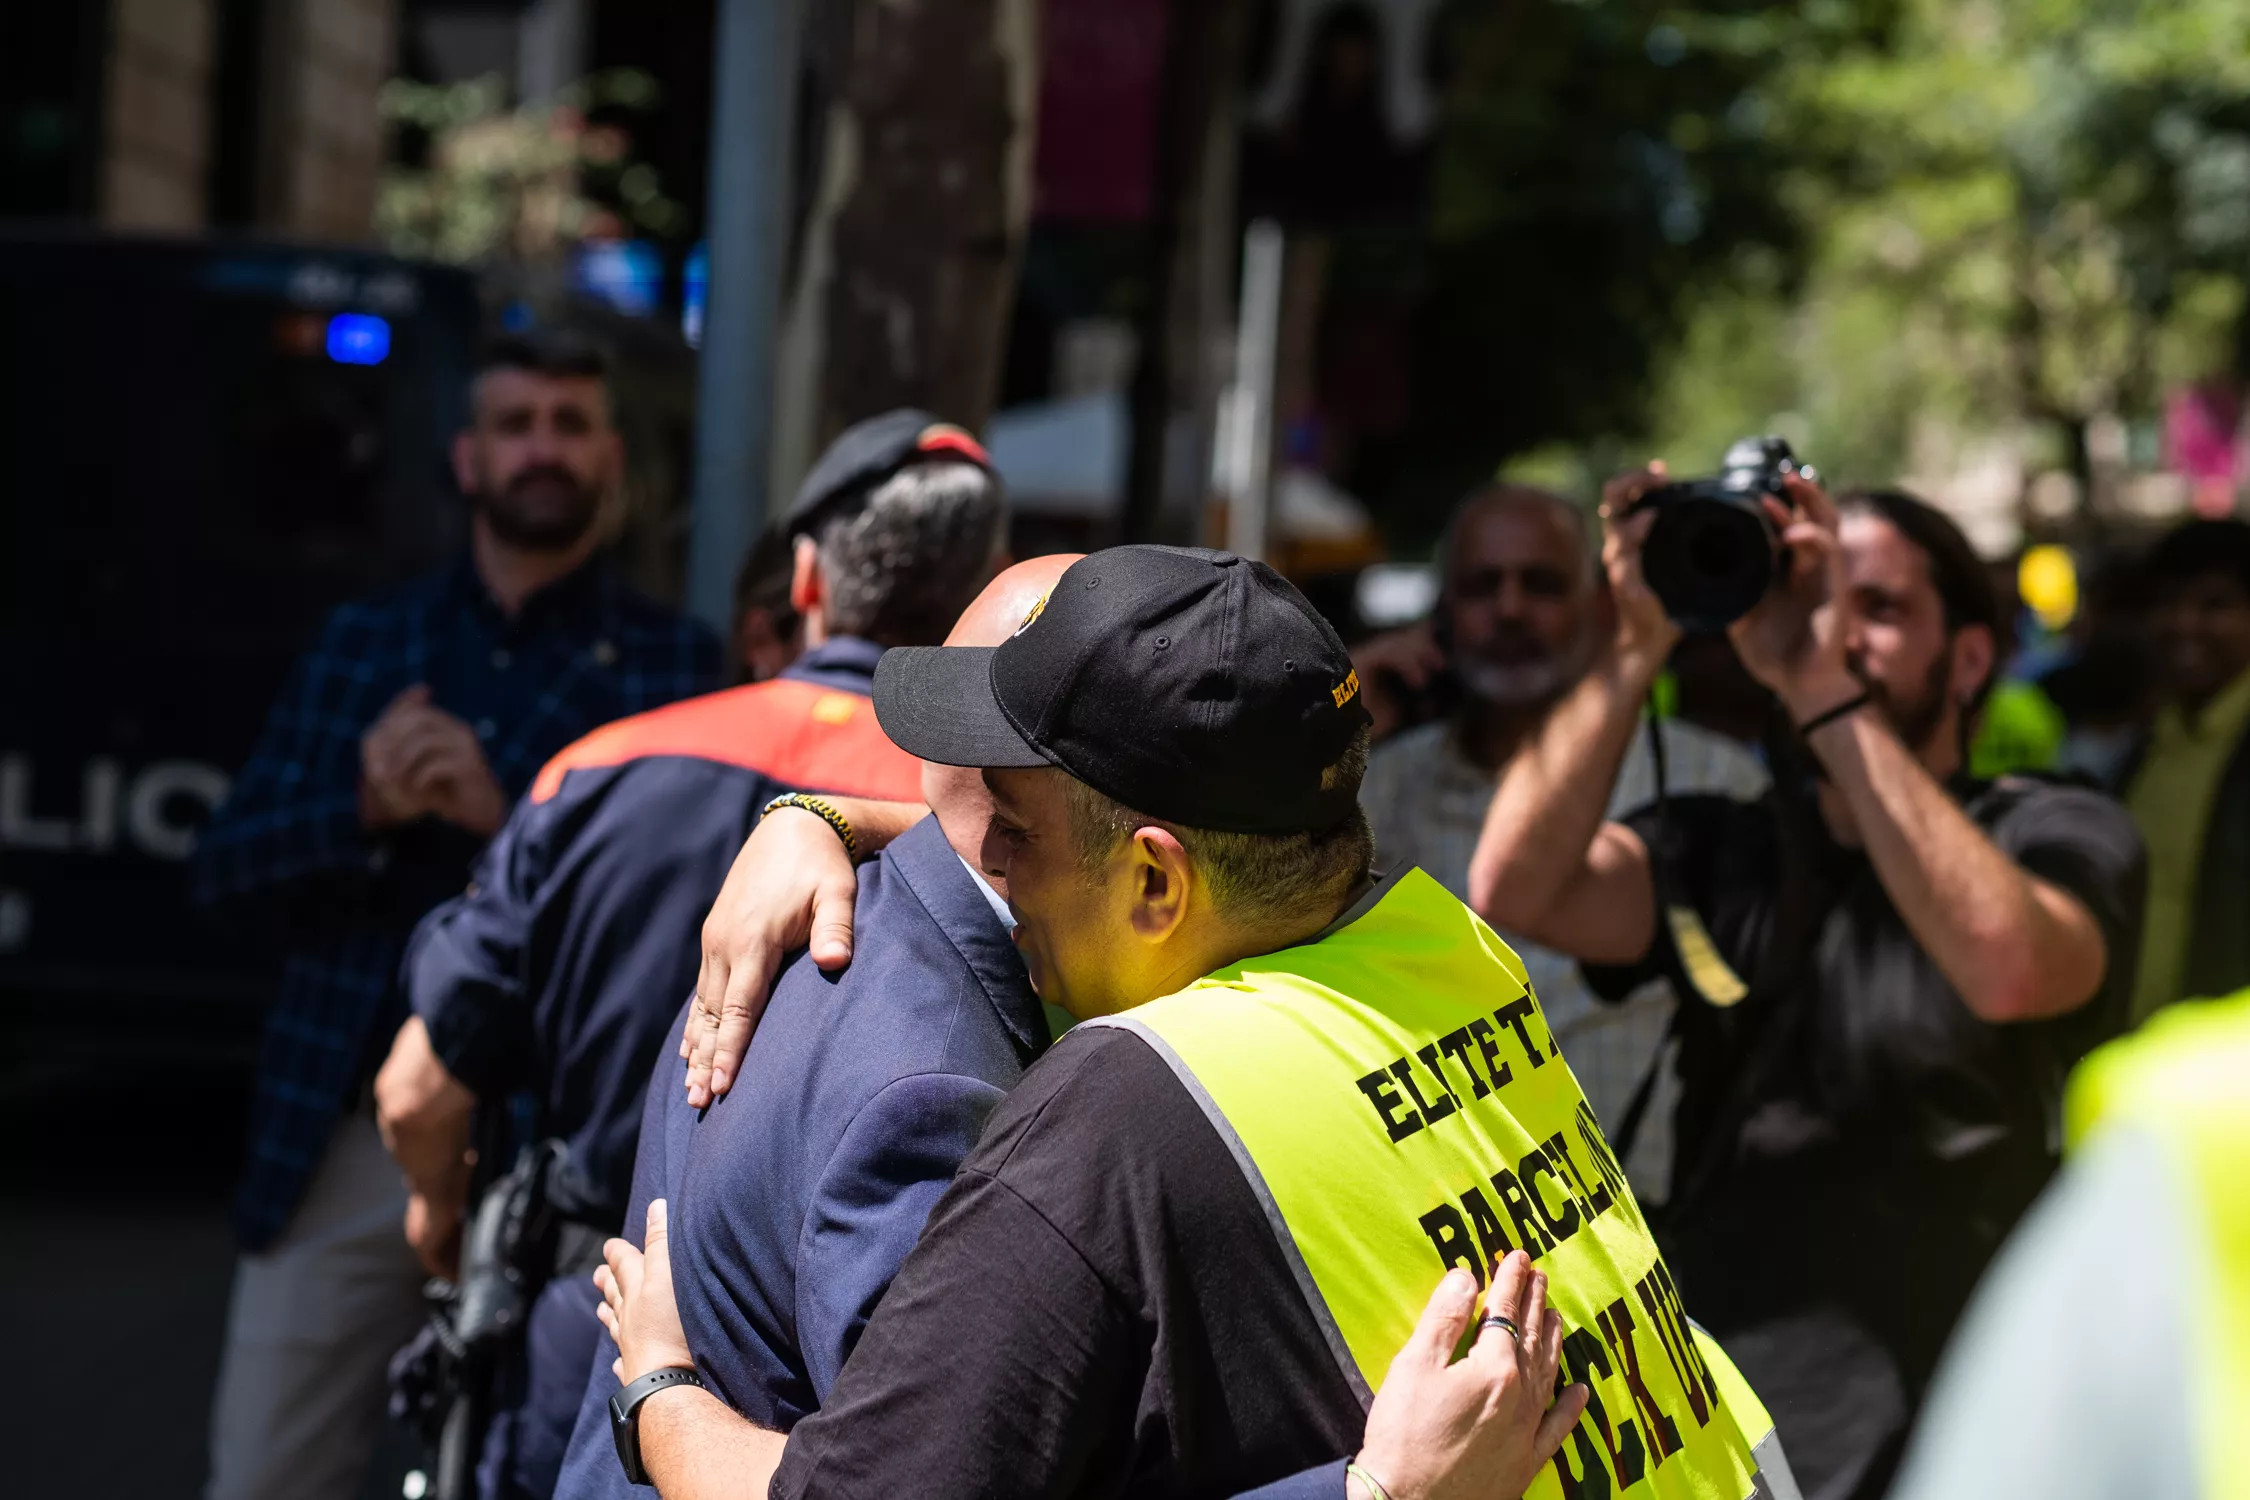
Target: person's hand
(1793, 640)
(1404, 658)
(791, 886)
(1481, 1426)
(638, 1308)
(433, 1228)
(385, 798)
(418, 759)
(1645, 634)
(422, 1110)
(424, 1114)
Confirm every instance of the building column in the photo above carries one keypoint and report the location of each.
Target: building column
(322, 142)
(156, 114)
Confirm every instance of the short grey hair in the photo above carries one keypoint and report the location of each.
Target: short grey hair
(903, 563)
(1256, 879)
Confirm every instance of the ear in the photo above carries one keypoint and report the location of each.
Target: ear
(807, 592)
(1974, 657)
(465, 460)
(1162, 877)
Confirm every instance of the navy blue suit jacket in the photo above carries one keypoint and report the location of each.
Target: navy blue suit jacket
(795, 1198)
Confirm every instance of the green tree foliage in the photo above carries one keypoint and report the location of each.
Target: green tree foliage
(2018, 217)
(476, 178)
(1604, 169)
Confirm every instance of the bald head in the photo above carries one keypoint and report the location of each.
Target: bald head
(1516, 583)
(995, 614)
(957, 794)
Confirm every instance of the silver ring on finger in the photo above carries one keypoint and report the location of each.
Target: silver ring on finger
(1501, 1321)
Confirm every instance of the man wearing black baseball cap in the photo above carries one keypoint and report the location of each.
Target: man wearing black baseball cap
(1185, 1250)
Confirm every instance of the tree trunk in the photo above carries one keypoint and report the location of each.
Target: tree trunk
(905, 271)
(1193, 256)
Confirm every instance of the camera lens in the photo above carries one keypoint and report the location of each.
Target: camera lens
(1715, 551)
(1709, 556)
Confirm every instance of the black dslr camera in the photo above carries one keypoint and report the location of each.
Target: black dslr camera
(1712, 550)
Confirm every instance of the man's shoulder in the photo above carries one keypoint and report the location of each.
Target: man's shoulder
(2026, 813)
(1102, 1106)
(791, 733)
(639, 615)
(909, 1002)
(385, 611)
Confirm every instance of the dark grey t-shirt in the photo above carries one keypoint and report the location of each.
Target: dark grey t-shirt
(1853, 1143)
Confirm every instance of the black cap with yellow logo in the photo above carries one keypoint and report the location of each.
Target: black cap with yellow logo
(1190, 685)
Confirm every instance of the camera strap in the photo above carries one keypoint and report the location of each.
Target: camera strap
(1714, 981)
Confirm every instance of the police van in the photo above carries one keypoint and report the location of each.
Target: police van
(204, 446)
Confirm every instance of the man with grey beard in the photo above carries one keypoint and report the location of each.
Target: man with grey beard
(1515, 625)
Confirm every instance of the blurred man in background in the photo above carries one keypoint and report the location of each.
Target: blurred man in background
(768, 631)
(1883, 968)
(395, 751)
(559, 970)
(1519, 608)
(2188, 783)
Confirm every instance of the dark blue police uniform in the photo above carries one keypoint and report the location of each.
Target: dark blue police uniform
(795, 1197)
(555, 974)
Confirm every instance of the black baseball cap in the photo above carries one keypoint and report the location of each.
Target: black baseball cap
(867, 453)
(1191, 685)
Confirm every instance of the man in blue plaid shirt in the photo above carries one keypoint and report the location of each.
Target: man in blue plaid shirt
(395, 751)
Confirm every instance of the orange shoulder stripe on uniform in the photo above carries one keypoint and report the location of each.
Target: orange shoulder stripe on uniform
(797, 732)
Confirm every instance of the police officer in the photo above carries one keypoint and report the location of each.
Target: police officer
(560, 970)
(1188, 1244)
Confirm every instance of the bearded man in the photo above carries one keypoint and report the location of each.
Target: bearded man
(1519, 608)
(1885, 966)
(392, 754)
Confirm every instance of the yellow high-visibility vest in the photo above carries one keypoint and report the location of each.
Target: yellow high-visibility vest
(2184, 1079)
(1394, 1099)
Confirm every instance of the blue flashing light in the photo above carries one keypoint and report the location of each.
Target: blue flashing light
(626, 274)
(358, 339)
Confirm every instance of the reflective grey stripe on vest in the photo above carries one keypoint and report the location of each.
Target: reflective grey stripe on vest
(1774, 1481)
(1314, 1302)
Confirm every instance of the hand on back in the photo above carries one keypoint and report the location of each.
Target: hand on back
(1481, 1426)
(792, 885)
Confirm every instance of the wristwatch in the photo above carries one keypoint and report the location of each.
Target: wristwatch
(625, 1415)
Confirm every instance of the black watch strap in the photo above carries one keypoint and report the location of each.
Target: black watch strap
(625, 1415)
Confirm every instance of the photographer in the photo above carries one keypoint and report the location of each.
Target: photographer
(1884, 969)
(1520, 609)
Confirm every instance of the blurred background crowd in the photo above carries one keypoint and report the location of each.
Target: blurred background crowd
(1291, 276)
